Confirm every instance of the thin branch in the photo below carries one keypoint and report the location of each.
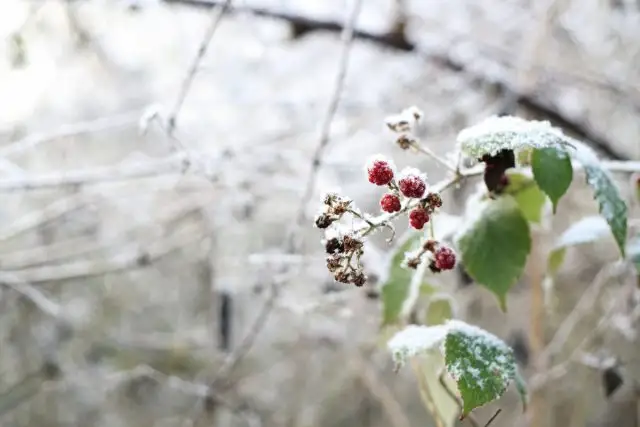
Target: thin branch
(216, 18)
(493, 418)
(173, 164)
(395, 413)
(429, 153)
(90, 126)
(131, 258)
(347, 36)
(444, 58)
(261, 319)
(585, 304)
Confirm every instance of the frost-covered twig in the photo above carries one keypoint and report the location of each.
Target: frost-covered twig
(325, 128)
(216, 18)
(173, 164)
(130, 258)
(584, 305)
(89, 126)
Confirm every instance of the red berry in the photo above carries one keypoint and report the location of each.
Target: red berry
(412, 185)
(390, 203)
(418, 217)
(380, 172)
(445, 258)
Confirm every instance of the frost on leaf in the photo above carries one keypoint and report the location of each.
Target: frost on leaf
(481, 364)
(498, 133)
(415, 340)
(612, 207)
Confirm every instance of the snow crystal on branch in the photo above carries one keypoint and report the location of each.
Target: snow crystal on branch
(507, 133)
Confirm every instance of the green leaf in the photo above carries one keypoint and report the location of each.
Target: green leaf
(495, 245)
(588, 229)
(553, 172)
(612, 207)
(527, 195)
(397, 286)
(439, 310)
(521, 387)
(481, 364)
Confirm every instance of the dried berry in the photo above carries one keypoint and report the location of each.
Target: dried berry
(379, 171)
(430, 245)
(333, 263)
(351, 244)
(324, 221)
(418, 217)
(333, 245)
(390, 203)
(412, 184)
(433, 201)
(413, 263)
(359, 279)
(445, 258)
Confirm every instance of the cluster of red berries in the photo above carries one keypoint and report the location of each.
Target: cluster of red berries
(411, 185)
(442, 257)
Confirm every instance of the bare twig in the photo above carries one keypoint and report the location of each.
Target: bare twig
(585, 305)
(291, 243)
(493, 418)
(325, 129)
(216, 18)
(130, 258)
(90, 126)
(429, 153)
(173, 164)
(395, 413)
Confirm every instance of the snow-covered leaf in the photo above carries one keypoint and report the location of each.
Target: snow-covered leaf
(499, 133)
(553, 172)
(397, 286)
(587, 230)
(612, 207)
(415, 340)
(527, 194)
(481, 364)
(495, 244)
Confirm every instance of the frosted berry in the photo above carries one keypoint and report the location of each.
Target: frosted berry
(390, 203)
(418, 217)
(380, 172)
(445, 258)
(412, 185)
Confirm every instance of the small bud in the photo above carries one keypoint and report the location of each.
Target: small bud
(342, 276)
(433, 201)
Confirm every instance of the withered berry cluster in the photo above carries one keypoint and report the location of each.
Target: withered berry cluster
(407, 192)
(343, 249)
